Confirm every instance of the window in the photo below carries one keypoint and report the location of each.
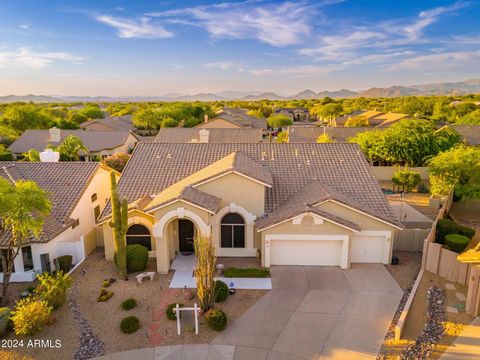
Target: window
(4, 253)
(139, 234)
(232, 231)
(96, 212)
(94, 197)
(27, 258)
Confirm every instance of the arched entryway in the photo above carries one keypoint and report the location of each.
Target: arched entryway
(186, 234)
(139, 234)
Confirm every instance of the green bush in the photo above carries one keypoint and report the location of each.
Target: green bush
(129, 304)
(246, 273)
(4, 320)
(170, 313)
(104, 295)
(216, 319)
(130, 324)
(53, 288)
(407, 179)
(30, 315)
(137, 258)
(63, 263)
(456, 242)
(220, 291)
(447, 226)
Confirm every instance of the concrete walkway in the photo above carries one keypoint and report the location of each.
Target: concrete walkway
(467, 345)
(317, 313)
(175, 352)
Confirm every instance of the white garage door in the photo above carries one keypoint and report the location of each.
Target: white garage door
(367, 249)
(305, 252)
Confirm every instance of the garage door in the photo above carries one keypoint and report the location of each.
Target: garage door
(367, 249)
(305, 252)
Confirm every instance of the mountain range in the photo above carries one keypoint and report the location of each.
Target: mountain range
(448, 88)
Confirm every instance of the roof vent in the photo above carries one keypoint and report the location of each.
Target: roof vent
(204, 134)
(169, 156)
(49, 156)
(54, 134)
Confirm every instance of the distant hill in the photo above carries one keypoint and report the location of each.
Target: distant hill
(449, 88)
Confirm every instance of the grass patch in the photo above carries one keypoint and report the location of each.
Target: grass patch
(246, 273)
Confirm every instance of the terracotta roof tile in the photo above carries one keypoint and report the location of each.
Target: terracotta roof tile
(191, 135)
(310, 134)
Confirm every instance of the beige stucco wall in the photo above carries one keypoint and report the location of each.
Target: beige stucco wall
(218, 124)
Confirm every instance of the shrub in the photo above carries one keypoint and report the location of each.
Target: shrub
(407, 179)
(246, 273)
(30, 315)
(130, 324)
(53, 288)
(106, 283)
(129, 304)
(216, 319)
(170, 313)
(137, 258)
(63, 263)
(104, 295)
(117, 161)
(4, 320)
(456, 242)
(447, 226)
(221, 291)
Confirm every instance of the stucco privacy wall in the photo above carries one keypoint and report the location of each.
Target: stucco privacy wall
(385, 173)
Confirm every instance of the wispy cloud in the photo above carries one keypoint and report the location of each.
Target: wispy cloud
(296, 71)
(24, 26)
(221, 65)
(283, 24)
(139, 28)
(28, 58)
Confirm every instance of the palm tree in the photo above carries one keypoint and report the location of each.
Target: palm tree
(70, 148)
(23, 209)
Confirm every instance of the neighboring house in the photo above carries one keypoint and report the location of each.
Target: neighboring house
(470, 133)
(296, 114)
(122, 123)
(374, 117)
(233, 118)
(199, 135)
(98, 143)
(305, 134)
(292, 204)
(78, 193)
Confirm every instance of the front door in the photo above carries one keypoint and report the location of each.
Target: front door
(185, 235)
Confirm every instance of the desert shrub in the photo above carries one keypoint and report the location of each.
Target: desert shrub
(53, 288)
(117, 161)
(106, 283)
(170, 313)
(137, 258)
(4, 320)
(447, 226)
(130, 324)
(246, 272)
(221, 291)
(63, 263)
(129, 304)
(406, 179)
(422, 188)
(104, 295)
(456, 242)
(216, 319)
(30, 315)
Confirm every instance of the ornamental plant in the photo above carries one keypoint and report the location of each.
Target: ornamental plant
(130, 324)
(216, 319)
(53, 288)
(30, 315)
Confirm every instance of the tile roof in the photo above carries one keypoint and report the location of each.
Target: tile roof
(154, 167)
(471, 133)
(94, 140)
(111, 123)
(338, 134)
(191, 135)
(240, 118)
(64, 181)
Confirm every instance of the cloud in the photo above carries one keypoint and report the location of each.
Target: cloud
(296, 71)
(139, 28)
(283, 24)
(31, 59)
(221, 65)
(24, 26)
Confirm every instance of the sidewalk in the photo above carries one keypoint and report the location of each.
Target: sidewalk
(467, 345)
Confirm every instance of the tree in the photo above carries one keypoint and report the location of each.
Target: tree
(330, 111)
(119, 225)
(204, 271)
(407, 179)
(32, 155)
(23, 209)
(457, 168)
(472, 118)
(357, 121)
(70, 148)
(279, 121)
(19, 118)
(282, 137)
(325, 139)
(117, 161)
(5, 154)
(92, 111)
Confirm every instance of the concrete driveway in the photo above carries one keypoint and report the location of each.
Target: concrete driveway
(317, 313)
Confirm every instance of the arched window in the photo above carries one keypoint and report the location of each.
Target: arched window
(232, 231)
(139, 234)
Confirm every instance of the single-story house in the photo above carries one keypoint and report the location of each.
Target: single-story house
(202, 135)
(109, 123)
(79, 191)
(232, 118)
(290, 204)
(374, 117)
(310, 134)
(296, 114)
(98, 142)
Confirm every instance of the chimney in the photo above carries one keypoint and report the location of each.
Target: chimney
(54, 134)
(205, 118)
(204, 135)
(49, 156)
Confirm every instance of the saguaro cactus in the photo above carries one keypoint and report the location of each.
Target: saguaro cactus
(119, 225)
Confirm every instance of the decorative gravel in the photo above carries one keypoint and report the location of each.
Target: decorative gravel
(90, 344)
(434, 328)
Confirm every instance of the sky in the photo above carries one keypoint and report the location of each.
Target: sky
(153, 48)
